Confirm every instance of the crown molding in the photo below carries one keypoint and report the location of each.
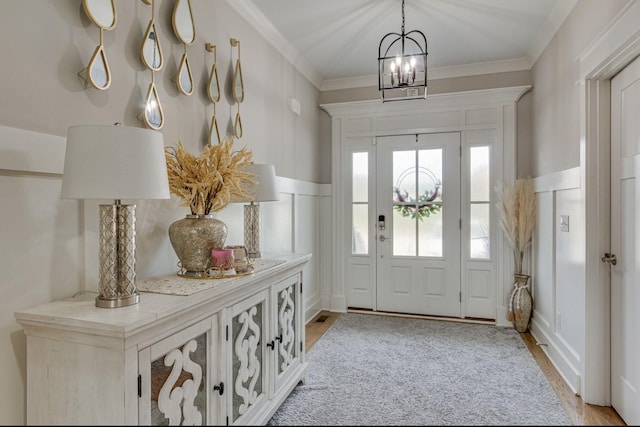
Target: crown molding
(556, 18)
(260, 23)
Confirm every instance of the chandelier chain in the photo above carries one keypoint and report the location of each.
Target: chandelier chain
(402, 17)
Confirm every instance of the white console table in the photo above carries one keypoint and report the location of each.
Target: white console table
(229, 352)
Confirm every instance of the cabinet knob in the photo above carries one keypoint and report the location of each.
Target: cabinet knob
(271, 345)
(279, 338)
(219, 387)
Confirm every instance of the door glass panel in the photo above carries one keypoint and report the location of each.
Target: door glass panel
(479, 174)
(479, 231)
(430, 187)
(360, 180)
(182, 371)
(404, 235)
(417, 203)
(480, 201)
(360, 221)
(404, 202)
(359, 202)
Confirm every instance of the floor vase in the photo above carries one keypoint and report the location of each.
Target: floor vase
(193, 238)
(520, 303)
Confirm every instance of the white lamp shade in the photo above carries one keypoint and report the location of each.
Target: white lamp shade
(265, 176)
(114, 162)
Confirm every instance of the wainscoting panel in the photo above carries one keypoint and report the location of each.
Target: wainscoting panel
(544, 260)
(299, 219)
(558, 279)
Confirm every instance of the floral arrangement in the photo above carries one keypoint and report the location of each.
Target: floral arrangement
(210, 181)
(517, 208)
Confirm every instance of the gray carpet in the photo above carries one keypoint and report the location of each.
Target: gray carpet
(380, 370)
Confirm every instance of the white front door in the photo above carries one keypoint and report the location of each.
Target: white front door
(625, 243)
(418, 224)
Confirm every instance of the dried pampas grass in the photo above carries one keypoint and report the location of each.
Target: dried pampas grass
(208, 182)
(517, 208)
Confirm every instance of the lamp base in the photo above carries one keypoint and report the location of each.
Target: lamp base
(117, 286)
(254, 254)
(117, 302)
(252, 230)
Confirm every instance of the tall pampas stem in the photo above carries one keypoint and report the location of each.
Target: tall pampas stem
(517, 208)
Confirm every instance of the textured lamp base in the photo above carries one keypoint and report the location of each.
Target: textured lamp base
(252, 230)
(117, 256)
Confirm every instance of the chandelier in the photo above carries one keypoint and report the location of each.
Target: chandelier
(402, 65)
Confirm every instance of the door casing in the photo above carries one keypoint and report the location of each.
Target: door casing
(484, 116)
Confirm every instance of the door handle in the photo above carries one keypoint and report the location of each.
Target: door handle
(382, 238)
(610, 258)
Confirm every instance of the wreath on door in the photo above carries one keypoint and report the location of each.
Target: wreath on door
(427, 203)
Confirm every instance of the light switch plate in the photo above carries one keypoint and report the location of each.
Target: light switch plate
(564, 223)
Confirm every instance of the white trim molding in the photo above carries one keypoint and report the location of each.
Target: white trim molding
(493, 110)
(24, 150)
(611, 51)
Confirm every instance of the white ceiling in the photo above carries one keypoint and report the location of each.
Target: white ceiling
(334, 43)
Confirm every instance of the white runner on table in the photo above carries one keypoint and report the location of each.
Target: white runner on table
(176, 285)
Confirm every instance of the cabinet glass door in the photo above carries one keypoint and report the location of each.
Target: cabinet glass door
(174, 376)
(246, 350)
(288, 339)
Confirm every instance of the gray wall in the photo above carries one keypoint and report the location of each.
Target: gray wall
(46, 43)
(556, 92)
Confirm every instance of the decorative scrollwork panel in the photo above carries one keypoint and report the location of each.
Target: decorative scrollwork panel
(286, 327)
(247, 359)
(178, 395)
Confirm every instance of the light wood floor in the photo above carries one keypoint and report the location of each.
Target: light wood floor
(581, 413)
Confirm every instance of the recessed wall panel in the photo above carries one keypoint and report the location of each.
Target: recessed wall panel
(483, 116)
(357, 125)
(420, 121)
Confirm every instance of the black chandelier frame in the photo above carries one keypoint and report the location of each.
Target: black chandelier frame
(412, 46)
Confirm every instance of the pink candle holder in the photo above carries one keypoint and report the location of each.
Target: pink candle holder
(222, 259)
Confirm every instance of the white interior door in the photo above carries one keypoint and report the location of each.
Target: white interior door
(625, 243)
(418, 227)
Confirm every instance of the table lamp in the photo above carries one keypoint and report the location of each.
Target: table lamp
(264, 191)
(115, 162)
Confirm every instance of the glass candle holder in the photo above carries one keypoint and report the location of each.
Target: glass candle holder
(222, 259)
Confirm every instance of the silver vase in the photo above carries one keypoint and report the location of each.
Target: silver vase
(193, 238)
